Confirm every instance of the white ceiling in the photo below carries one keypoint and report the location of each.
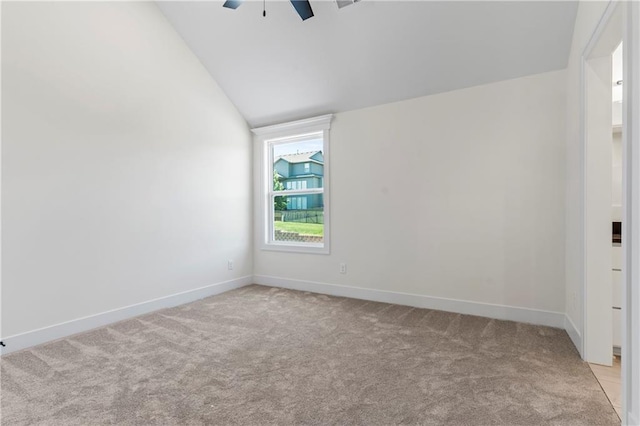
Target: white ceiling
(279, 68)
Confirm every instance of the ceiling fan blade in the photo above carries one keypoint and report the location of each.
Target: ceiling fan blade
(232, 4)
(303, 8)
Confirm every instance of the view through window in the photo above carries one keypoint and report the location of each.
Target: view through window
(297, 198)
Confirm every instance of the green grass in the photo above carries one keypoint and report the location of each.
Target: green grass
(301, 228)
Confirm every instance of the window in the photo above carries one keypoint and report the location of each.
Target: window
(293, 212)
(295, 203)
(296, 184)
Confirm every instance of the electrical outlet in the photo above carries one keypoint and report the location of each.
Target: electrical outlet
(343, 268)
(230, 265)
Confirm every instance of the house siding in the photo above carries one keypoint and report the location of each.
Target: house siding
(302, 175)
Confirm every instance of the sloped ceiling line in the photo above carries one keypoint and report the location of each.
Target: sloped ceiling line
(279, 68)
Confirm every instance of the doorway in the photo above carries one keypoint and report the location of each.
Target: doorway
(620, 20)
(610, 377)
(599, 213)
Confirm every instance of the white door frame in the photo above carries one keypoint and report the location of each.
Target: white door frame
(629, 11)
(631, 216)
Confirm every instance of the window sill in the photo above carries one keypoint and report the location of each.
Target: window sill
(293, 248)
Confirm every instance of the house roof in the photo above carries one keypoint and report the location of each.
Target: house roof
(302, 157)
(278, 68)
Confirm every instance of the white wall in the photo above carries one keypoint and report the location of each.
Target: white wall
(589, 14)
(126, 172)
(458, 195)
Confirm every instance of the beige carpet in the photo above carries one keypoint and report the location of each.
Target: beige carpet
(262, 355)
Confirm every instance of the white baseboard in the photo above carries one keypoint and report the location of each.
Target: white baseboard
(574, 334)
(65, 329)
(502, 312)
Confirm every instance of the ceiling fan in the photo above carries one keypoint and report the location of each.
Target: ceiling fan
(301, 6)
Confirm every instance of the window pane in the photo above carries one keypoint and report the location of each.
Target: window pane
(294, 220)
(298, 165)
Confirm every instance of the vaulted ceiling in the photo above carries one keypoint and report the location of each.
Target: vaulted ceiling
(278, 68)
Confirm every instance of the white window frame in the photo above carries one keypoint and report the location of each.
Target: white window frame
(265, 138)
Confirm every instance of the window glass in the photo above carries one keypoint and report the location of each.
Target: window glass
(298, 218)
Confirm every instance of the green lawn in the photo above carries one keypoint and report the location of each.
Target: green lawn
(301, 228)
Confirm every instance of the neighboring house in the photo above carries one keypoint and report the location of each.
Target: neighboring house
(301, 171)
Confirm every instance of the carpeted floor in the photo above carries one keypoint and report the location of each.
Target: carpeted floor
(262, 355)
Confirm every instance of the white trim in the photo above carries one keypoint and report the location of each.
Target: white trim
(501, 312)
(296, 247)
(574, 334)
(294, 192)
(0, 183)
(322, 122)
(630, 217)
(65, 329)
(600, 28)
